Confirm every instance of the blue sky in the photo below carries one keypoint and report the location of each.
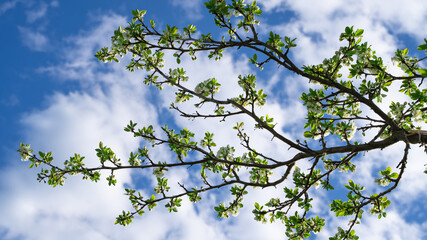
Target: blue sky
(57, 97)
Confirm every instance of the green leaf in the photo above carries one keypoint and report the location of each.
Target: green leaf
(423, 46)
(340, 213)
(359, 32)
(394, 175)
(405, 51)
(388, 170)
(423, 72)
(308, 134)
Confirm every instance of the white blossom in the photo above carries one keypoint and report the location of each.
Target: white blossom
(417, 115)
(274, 201)
(372, 70)
(316, 136)
(25, 152)
(315, 82)
(158, 172)
(245, 158)
(373, 210)
(352, 131)
(314, 107)
(328, 166)
(204, 89)
(231, 13)
(349, 135)
(382, 182)
(395, 60)
(234, 213)
(226, 153)
(126, 35)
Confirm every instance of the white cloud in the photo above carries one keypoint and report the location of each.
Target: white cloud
(110, 97)
(37, 13)
(35, 41)
(192, 8)
(375, 228)
(34, 13)
(36, 211)
(6, 6)
(79, 60)
(54, 3)
(11, 100)
(328, 17)
(269, 5)
(317, 26)
(392, 227)
(75, 122)
(408, 18)
(34, 38)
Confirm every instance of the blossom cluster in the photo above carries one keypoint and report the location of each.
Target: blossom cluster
(227, 211)
(226, 153)
(177, 74)
(396, 110)
(207, 87)
(384, 182)
(25, 152)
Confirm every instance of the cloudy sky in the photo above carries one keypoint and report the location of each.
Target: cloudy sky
(57, 97)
